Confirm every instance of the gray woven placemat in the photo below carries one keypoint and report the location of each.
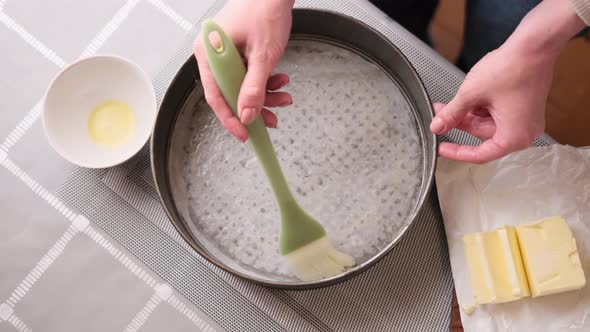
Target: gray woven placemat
(409, 290)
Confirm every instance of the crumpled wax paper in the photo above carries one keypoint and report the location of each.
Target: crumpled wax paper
(521, 188)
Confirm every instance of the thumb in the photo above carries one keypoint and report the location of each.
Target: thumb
(253, 90)
(453, 113)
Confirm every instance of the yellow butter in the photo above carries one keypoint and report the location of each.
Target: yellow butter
(469, 309)
(111, 124)
(495, 266)
(550, 257)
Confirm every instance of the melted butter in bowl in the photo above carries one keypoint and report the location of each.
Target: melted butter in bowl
(111, 124)
(99, 111)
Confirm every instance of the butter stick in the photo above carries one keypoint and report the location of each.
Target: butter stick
(496, 271)
(550, 257)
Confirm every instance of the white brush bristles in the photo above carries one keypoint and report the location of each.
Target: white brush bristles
(318, 260)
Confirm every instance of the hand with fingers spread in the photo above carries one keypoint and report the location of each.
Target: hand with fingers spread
(502, 99)
(260, 30)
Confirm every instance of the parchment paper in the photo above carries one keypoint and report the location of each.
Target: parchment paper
(523, 187)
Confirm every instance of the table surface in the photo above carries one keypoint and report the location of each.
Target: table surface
(46, 283)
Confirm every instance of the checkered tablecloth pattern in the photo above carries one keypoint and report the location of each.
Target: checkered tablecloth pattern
(58, 271)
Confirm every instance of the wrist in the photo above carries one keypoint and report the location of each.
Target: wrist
(546, 29)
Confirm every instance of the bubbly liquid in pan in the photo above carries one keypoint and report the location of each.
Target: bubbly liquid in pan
(349, 147)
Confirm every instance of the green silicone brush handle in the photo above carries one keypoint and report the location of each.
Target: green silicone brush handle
(297, 227)
(229, 72)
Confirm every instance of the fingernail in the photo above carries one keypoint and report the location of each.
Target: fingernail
(238, 135)
(248, 115)
(437, 125)
(242, 139)
(272, 125)
(287, 103)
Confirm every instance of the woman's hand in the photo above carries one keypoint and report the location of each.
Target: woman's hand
(502, 100)
(260, 30)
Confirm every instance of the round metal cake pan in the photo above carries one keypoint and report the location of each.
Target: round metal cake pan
(310, 24)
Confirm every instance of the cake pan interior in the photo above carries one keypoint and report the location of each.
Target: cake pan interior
(353, 147)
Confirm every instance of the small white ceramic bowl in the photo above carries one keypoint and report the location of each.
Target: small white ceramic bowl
(78, 89)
